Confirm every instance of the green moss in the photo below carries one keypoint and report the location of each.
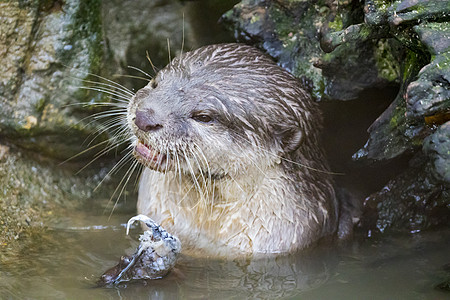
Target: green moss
(255, 18)
(365, 32)
(26, 3)
(283, 22)
(327, 57)
(383, 5)
(412, 64)
(40, 105)
(398, 118)
(87, 37)
(445, 26)
(337, 24)
(319, 88)
(387, 65)
(296, 1)
(445, 64)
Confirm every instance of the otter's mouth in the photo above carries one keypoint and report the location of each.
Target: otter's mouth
(149, 157)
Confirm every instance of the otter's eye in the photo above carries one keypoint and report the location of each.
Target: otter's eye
(153, 84)
(202, 118)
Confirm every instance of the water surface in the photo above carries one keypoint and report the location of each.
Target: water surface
(74, 253)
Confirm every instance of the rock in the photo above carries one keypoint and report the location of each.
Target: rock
(44, 47)
(430, 94)
(132, 30)
(412, 10)
(394, 13)
(413, 201)
(34, 194)
(386, 138)
(424, 83)
(435, 36)
(291, 32)
(404, 125)
(437, 147)
(54, 44)
(392, 134)
(49, 48)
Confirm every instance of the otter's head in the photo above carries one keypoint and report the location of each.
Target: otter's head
(218, 110)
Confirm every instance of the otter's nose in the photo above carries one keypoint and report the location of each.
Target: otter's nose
(146, 120)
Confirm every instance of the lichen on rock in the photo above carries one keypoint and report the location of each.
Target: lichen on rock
(38, 87)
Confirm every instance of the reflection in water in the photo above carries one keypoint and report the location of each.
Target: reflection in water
(271, 277)
(67, 263)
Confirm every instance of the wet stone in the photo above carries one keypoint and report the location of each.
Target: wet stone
(430, 93)
(436, 36)
(43, 50)
(393, 133)
(35, 194)
(291, 31)
(437, 147)
(444, 286)
(386, 135)
(413, 10)
(412, 202)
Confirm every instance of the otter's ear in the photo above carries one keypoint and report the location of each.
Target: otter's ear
(292, 139)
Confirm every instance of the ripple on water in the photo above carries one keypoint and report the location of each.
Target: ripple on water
(70, 258)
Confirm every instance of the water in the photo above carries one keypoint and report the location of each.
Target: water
(66, 263)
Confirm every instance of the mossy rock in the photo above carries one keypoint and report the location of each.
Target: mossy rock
(48, 48)
(35, 192)
(292, 32)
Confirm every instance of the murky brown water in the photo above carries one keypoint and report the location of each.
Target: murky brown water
(79, 249)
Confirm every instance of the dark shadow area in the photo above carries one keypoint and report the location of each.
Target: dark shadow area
(345, 132)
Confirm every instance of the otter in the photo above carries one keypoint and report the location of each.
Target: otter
(230, 145)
